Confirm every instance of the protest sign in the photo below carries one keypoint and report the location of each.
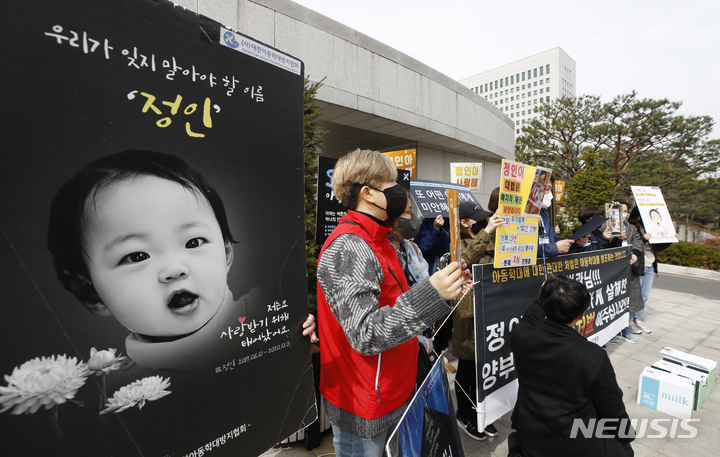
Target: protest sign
(193, 242)
(467, 174)
(431, 198)
(405, 159)
(329, 208)
(521, 192)
(559, 192)
(429, 426)
(455, 246)
(654, 213)
(503, 295)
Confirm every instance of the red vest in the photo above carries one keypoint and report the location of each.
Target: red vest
(367, 386)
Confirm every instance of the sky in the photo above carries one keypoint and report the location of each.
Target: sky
(660, 49)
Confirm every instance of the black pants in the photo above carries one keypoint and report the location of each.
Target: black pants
(465, 381)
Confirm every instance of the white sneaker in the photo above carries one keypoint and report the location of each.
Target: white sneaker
(641, 325)
(633, 328)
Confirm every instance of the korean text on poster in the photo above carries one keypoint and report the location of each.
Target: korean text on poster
(503, 295)
(405, 159)
(516, 239)
(329, 208)
(431, 198)
(654, 213)
(467, 174)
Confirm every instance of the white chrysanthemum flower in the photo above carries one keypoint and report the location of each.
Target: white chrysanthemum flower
(103, 362)
(42, 381)
(137, 393)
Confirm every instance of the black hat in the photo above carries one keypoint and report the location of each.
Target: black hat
(470, 210)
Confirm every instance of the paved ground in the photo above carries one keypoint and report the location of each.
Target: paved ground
(679, 320)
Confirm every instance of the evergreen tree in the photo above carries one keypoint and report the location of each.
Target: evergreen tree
(312, 141)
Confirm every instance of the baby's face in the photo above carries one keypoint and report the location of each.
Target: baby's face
(156, 255)
(655, 217)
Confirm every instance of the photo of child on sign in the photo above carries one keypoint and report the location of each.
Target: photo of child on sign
(137, 205)
(156, 251)
(537, 191)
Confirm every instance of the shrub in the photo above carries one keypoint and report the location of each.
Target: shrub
(691, 255)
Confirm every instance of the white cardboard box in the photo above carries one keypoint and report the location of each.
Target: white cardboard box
(666, 392)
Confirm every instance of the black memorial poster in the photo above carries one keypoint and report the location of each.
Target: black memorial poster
(158, 311)
(503, 294)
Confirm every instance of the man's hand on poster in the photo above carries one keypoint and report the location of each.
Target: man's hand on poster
(494, 222)
(564, 246)
(309, 329)
(647, 236)
(438, 223)
(449, 281)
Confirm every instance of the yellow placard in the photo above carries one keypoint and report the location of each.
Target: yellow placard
(466, 174)
(405, 159)
(516, 240)
(453, 204)
(559, 191)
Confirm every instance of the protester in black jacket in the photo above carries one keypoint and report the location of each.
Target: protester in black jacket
(565, 381)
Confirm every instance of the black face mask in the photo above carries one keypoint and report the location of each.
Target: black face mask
(479, 225)
(396, 198)
(408, 228)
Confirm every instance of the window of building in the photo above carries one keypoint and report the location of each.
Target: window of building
(512, 89)
(512, 79)
(547, 69)
(534, 72)
(523, 96)
(541, 82)
(506, 80)
(512, 99)
(535, 84)
(523, 73)
(547, 89)
(541, 71)
(547, 80)
(501, 82)
(529, 94)
(523, 103)
(523, 113)
(517, 131)
(506, 91)
(541, 118)
(547, 99)
(486, 87)
(480, 89)
(541, 91)
(523, 121)
(496, 85)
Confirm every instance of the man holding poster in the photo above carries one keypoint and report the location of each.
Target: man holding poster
(368, 315)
